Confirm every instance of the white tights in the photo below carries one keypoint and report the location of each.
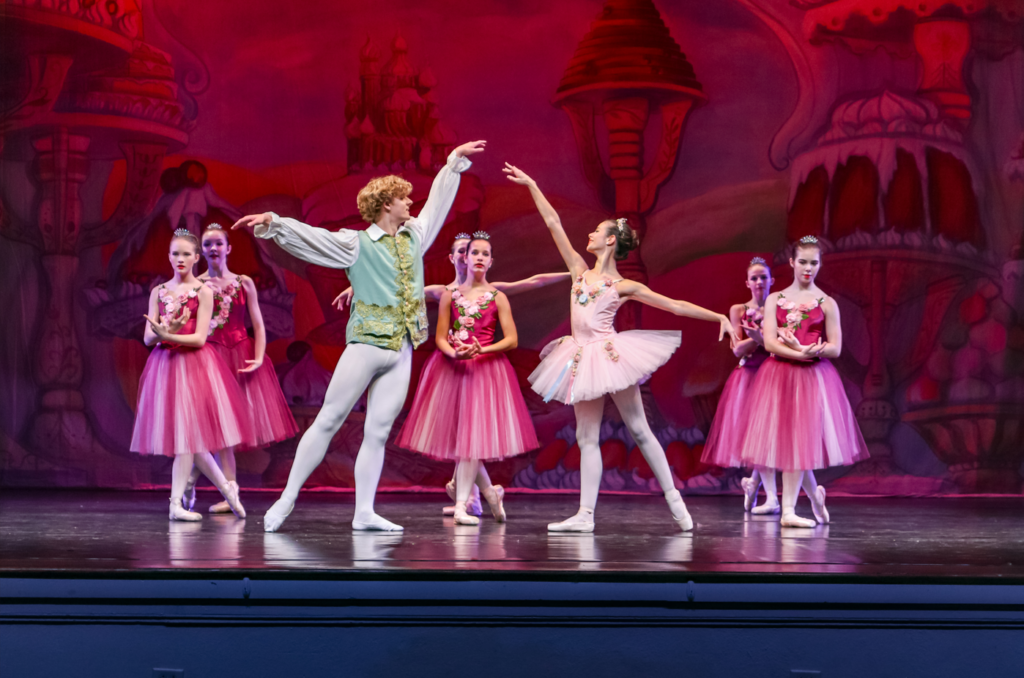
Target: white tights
(792, 481)
(203, 461)
(386, 373)
(588, 430)
(468, 472)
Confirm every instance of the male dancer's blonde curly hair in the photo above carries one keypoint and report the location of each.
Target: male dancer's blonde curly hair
(379, 192)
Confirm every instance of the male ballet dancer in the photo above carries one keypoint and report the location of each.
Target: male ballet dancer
(388, 320)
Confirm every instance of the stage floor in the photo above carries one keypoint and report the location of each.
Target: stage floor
(76, 531)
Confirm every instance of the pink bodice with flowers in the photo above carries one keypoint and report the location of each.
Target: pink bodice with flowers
(171, 305)
(593, 309)
(806, 321)
(227, 324)
(754, 316)
(476, 318)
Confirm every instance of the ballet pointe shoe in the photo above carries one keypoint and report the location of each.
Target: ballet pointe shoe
(769, 507)
(793, 520)
(233, 502)
(276, 514)
(220, 507)
(679, 512)
(179, 512)
(818, 506)
(583, 521)
(749, 488)
(473, 505)
(494, 497)
(463, 518)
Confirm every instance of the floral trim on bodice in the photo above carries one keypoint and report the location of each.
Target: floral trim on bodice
(582, 297)
(796, 313)
(172, 304)
(754, 316)
(467, 313)
(223, 298)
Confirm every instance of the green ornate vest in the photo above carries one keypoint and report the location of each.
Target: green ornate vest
(387, 286)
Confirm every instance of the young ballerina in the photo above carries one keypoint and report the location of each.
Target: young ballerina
(726, 434)
(234, 298)
(468, 407)
(803, 421)
(433, 294)
(579, 370)
(189, 401)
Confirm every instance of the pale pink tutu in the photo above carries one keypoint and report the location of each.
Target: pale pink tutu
(468, 409)
(189, 401)
(272, 420)
(606, 365)
(803, 420)
(725, 438)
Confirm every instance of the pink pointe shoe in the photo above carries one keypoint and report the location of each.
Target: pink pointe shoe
(494, 498)
(178, 512)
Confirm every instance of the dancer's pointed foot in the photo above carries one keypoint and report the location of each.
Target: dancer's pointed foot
(463, 518)
(373, 523)
(494, 496)
(179, 512)
(275, 515)
(234, 503)
(679, 512)
(450, 489)
(749, 493)
(220, 507)
(793, 520)
(818, 506)
(583, 521)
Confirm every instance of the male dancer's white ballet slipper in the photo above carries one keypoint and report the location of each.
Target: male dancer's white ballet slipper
(374, 523)
(818, 506)
(234, 503)
(494, 498)
(749, 488)
(220, 507)
(276, 514)
(793, 520)
(679, 512)
(583, 521)
(461, 517)
(178, 512)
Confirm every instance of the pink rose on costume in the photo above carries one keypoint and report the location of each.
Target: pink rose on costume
(469, 322)
(472, 309)
(787, 305)
(463, 335)
(793, 318)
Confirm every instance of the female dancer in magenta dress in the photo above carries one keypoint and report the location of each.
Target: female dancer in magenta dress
(595, 361)
(468, 407)
(234, 298)
(726, 434)
(803, 421)
(433, 294)
(189, 401)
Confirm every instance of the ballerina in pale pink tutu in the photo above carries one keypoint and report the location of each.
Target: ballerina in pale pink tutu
(726, 435)
(433, 294)
(803, 421)
(595, 361)
(234, 299)
(468, 407)
(189, 401)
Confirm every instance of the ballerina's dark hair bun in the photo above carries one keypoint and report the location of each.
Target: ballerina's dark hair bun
(626, 239)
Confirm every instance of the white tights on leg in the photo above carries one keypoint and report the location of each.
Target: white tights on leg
(791, 482)
(588, 429)
(771, 499)
(466, 472)
(361, 365)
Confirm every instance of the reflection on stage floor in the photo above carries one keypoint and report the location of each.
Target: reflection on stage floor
(95, 531)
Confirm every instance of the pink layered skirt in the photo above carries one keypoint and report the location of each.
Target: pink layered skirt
(570, 373)
(803, 420)
(189, 402)
(725, 438)
(468, 409)
(272, 420)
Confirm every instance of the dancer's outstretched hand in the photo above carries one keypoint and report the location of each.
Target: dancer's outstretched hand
(470, 148)
(725, 328)
(343, 299)
(251, 366)
(251, 220)
(516, 175)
